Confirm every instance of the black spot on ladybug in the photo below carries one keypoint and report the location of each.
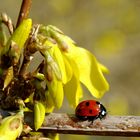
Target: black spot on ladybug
(97, 102)
(90, 111)
(87, 103)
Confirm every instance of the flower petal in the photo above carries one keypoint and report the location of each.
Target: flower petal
(68, 70)
(58, 58)
(55, 87)
(90, 72)
(60, 65)
(64, 41)
(72, 89)
(103, 68)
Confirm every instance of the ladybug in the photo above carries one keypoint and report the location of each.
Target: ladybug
(90, 110)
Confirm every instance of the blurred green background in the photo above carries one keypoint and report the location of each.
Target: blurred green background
(110, 29)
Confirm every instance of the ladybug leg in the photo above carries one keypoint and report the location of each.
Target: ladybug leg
(92, 119)
(91, 123)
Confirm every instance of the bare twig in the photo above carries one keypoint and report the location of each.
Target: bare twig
(8, 22)
(24, 11)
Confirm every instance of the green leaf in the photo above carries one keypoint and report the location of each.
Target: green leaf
(39, 76)
(11, 127)
(9, 77)
(49, 105)
(19, 36)
(39, 114)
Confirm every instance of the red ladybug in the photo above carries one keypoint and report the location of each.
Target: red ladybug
(90, 110)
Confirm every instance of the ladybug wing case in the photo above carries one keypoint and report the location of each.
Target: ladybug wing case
(88, 110)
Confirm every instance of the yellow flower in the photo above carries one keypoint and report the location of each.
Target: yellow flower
(75, 65)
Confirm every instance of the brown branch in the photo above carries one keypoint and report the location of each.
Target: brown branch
(128, 126)
(24, 11)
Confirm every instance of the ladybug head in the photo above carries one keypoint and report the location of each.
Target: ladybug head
(103, 112)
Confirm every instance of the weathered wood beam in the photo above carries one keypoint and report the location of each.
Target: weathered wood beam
(128, 126)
